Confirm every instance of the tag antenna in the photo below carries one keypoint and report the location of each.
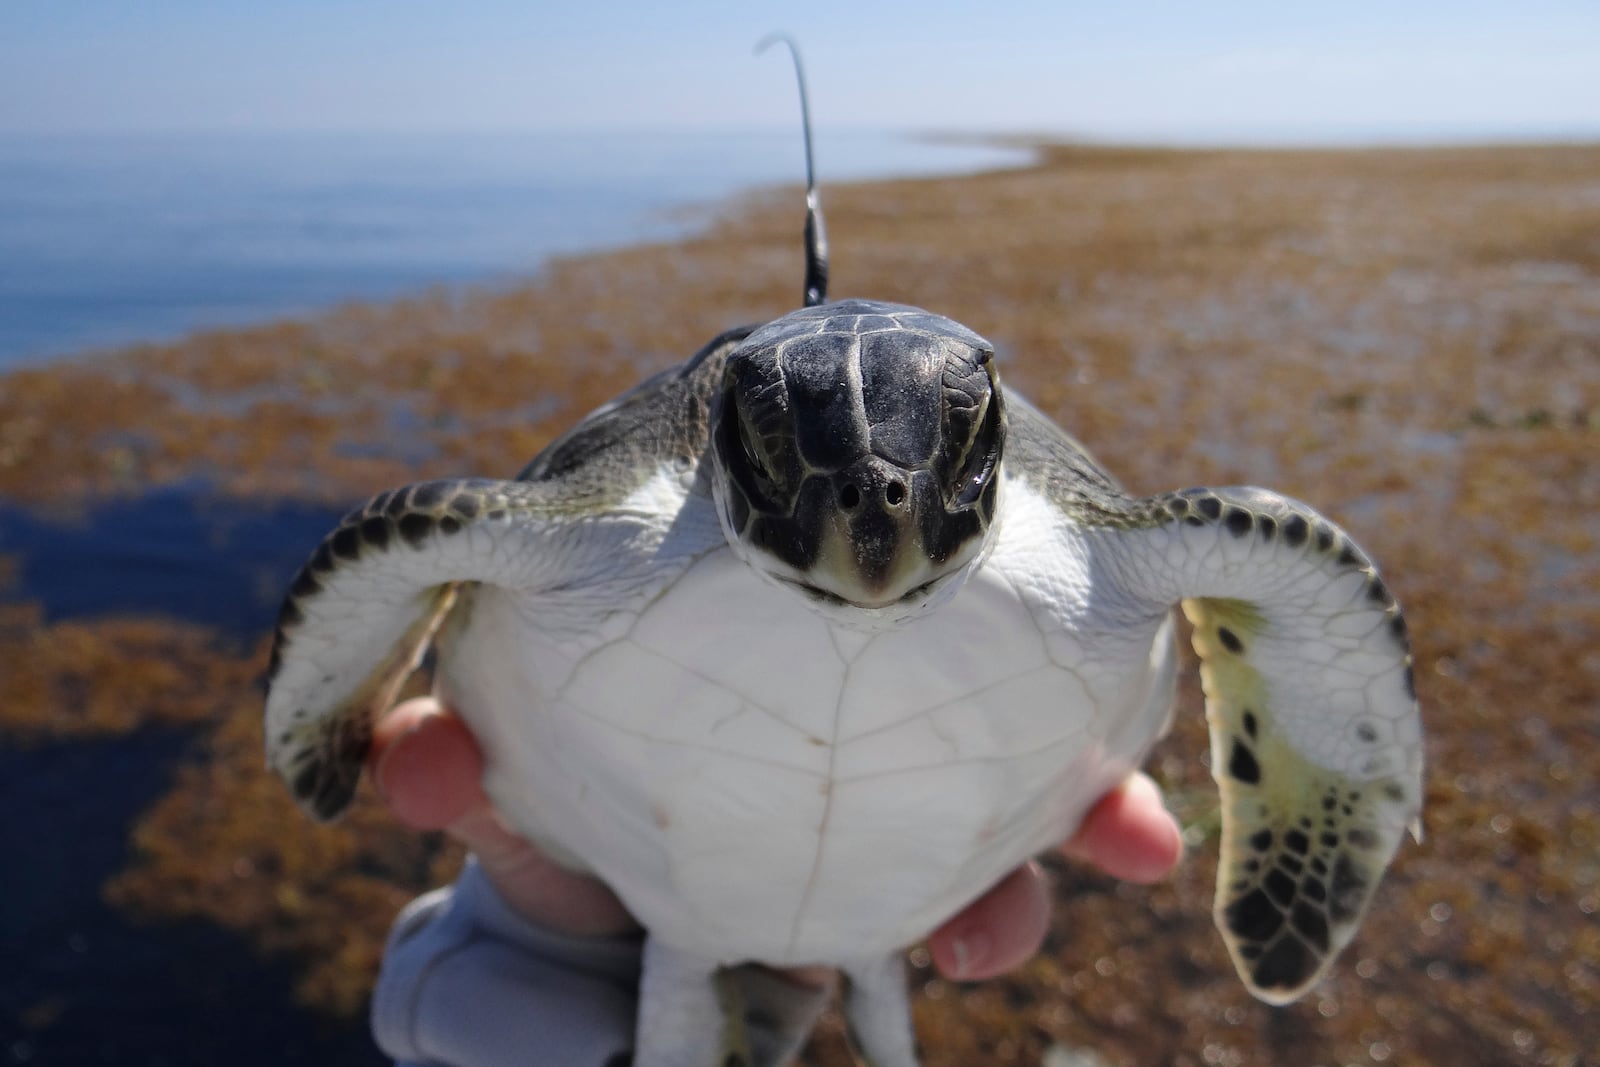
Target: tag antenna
(816, 233)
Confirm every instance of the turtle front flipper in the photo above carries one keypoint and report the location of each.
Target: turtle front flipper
(1315, 735)
(361, 613)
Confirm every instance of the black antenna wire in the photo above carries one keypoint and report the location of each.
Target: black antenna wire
(816, 233)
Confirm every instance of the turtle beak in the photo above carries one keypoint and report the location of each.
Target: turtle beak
(871, 551)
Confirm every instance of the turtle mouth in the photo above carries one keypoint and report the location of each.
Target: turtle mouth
(823, 596)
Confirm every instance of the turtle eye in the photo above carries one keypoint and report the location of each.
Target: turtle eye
(746, 461)
(980, 460)
(752, 456)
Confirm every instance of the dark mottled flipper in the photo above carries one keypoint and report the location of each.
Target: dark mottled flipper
(1315, 736)
(362, 611)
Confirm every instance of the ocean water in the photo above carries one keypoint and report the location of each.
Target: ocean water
(107, 240)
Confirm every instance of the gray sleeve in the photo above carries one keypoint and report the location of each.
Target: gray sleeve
(467, 982)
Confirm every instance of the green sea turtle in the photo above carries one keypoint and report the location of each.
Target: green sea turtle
(804, 643)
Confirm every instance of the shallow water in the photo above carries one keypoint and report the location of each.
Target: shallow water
(119, 239)
(176, 552)
(84, 983)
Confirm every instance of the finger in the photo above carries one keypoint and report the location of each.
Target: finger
(999, 931)
(429, 771)
(537, 887)
(1130, 834)
(427, 767)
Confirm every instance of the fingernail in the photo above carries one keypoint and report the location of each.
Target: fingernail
(1143, 783)
(971, 952)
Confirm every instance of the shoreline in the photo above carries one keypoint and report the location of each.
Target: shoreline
(329, 394)
(687, 218)
(223, 231)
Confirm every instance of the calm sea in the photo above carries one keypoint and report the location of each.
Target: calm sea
(106, 240)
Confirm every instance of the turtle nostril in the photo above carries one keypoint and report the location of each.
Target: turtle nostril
(849, 497)
(894, 493)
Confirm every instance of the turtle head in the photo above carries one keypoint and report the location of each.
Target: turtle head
(857, 453)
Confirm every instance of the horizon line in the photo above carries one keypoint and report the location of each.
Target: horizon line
(1218, 136)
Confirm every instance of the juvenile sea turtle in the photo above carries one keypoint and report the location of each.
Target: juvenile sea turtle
(804, 643)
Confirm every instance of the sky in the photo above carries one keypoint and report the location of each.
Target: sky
(1180, 72)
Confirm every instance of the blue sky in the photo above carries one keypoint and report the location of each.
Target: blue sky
(1166, 71)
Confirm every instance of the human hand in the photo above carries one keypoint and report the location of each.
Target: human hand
(428, 769)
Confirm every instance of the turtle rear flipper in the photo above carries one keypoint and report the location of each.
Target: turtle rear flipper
(361, 614)
(1315, 736)
(694, 1012)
